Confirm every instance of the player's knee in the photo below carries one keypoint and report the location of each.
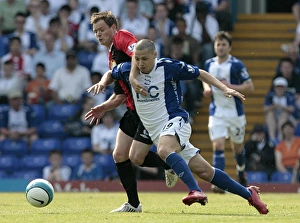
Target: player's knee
(136, 159)
(120, 156)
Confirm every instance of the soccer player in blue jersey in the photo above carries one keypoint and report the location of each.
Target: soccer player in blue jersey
(226, 115)
(157, 100)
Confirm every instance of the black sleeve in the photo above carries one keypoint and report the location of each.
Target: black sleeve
(118, 89)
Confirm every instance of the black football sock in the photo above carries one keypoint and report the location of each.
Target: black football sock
(153, 160)
(127, 178)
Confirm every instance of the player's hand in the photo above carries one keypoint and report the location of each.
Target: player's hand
(138, 87)
(97, 88)
(228, 92)
(95, 114)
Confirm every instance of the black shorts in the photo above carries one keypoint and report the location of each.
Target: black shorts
(131, 125)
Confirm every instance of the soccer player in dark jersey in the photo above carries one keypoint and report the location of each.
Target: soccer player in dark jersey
(131, 132)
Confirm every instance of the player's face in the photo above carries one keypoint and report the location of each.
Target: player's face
(222, 48)
(104, 33)
(145, 60)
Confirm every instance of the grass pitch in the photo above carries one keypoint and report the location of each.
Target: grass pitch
(157, 208)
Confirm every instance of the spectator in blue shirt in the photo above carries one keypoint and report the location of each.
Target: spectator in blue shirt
(88, 170)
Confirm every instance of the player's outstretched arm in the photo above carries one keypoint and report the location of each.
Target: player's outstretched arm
(134, 71)
(96, 113)
(102, 84)
(211, 80)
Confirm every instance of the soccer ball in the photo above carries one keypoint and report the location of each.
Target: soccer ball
(39, 193)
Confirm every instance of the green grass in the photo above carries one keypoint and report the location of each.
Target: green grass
(157, 207)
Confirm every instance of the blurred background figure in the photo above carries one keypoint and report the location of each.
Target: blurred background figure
(278, 107)
(37, 91)
(104, 135)
(79, 76)
(18, 121)
(56, 171)
(287, 152)
(260, 152)
(8, 81)
(88, 169)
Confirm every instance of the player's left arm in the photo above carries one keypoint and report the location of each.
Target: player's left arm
(211, 80)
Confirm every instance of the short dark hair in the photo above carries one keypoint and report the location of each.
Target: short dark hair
(223, 35)
(287, 123)
(40, 65)
(286, 59)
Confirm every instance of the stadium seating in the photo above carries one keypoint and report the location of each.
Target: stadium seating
(34, 162)
(279, 177)
(108, 165)
(44, 146)
(13, 147)
(71, 160)
(28, 175)
(52, 129)
(40, 111)
(76, 145)
(62, 112)
(4, 174)
(9, 163)
(257, 177)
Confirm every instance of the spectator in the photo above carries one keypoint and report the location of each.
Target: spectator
(220, 10)
(37, 90)
(18, 121)
(56, 171)
(8, 81)
(38, 20)
(175, 9)
(292, 51)
(8, 10)
(22, 62)
(85, 31)
(190, 45)
(162, 23)
(287, 152)
(146, 9)
(279, 107)
(63, 41)
(52, 58)
(159, 44)
(88, 170)
(107, 5)
(77, 126)
(260, 152)
(203, 27)
(28, 39)
(104, 135)
(133, 21)
(286, 70)
(79, 76)
(67, 26)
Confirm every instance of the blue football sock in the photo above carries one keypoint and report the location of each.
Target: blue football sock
(241, 160)
(182, 170)
(225, 182)
(219, 159)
